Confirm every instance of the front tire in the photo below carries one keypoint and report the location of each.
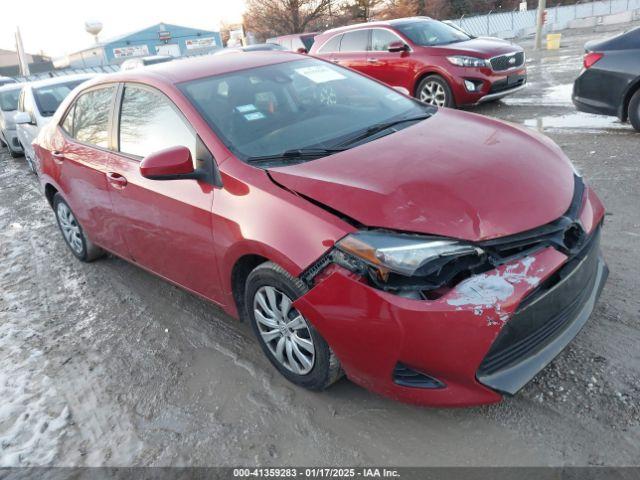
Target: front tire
(288, 340)
(434, 90)
(74, 237)
(634, 111)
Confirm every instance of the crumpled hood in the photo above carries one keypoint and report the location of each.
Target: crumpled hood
(456, 174)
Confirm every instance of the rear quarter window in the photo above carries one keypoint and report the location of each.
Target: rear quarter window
(333, 45)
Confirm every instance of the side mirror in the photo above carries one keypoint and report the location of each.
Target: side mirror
(302, 50)
(398, 46)
(173, 163)
(22, 118)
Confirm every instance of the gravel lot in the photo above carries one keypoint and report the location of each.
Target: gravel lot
(104, 364)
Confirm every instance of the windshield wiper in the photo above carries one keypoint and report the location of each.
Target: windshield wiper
(380, 127)
(296, 154)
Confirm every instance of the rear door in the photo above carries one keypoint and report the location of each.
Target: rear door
(167, 224)
(353, 50)
(81, 162)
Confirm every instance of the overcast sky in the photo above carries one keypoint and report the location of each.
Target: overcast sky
(56, 27)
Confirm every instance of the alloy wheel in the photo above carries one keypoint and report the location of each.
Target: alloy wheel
(433, 93)
(70, 228)
(284, 330)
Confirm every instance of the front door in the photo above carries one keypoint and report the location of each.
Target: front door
(167, 224)
(393, 68)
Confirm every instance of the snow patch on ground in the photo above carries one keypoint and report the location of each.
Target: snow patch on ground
(33, 415)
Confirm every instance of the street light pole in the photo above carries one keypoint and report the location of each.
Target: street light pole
(542, 5)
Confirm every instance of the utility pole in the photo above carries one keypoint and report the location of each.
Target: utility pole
(542, 6)
(22, 60)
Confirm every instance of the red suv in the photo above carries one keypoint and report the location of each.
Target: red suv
(431, 60)
(432, 255)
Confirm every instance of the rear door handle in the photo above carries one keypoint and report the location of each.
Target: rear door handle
(57, 156)
(372, 60)
(117, 180)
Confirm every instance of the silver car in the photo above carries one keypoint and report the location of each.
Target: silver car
(9, 94)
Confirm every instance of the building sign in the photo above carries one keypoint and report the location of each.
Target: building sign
(132, 51)
(523, 6)
(205, 42)
(164, 35)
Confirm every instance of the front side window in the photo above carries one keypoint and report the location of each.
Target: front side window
(149, 123)
(431, 32)
(381, 39)
(293, 105)
(91, 117)
(9, 100)
(49, 98)
(355, 41)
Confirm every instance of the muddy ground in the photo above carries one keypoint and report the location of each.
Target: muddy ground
(104, 364)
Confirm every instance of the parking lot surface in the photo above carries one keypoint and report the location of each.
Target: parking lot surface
(105, 364)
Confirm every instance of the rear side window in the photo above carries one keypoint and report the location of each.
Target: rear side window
(332, 45)
(149, 122)
(380, 39)
(90, 119)
(355, 41)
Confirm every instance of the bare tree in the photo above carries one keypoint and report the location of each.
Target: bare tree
(278, 17)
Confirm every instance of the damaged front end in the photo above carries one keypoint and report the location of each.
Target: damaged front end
(426, 267)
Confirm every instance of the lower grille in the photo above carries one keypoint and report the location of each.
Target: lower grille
(505, 62)
(407, 377)
(546, 312)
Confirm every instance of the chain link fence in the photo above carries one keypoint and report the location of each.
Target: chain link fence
(516, 23)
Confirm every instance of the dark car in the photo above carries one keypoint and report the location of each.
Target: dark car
(610, 81)
(428, 59)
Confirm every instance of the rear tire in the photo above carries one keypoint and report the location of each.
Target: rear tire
(634, 111)
(74, 237)
(289, 341)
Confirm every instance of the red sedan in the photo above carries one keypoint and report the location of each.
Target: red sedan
(434, 256)
(433, 61)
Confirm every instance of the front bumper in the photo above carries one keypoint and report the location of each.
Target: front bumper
(493, 85)
(450, 340)
(10, 137)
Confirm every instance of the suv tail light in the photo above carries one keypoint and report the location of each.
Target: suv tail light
(591, 58)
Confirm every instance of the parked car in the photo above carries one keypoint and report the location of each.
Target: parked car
(345, 221)
(9, 94)
(258, 47)
(609, 83)
(6, 80)
(37, 103)
(138, 62)
(435, 62)
(299, 42)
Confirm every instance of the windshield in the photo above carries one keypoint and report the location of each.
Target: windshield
(49, 98)
(294, 105)
(431, 32)
(9, 100)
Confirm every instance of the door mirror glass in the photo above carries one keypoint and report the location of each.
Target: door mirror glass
(169, 164)
(398, 46)
(22, 118)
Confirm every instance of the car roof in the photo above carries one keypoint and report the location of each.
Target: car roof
(380, 23)
(58, 80)
(186, 69)
(11, 86)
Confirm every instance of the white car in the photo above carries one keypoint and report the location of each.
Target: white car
(138, 62)
(38, 102)
(9, 94)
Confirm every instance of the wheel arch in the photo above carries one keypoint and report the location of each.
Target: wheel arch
(626, 99)
(432, 70)
(49, 192)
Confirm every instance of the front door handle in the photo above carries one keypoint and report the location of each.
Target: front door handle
(58, 157)
(372, 60)
(335, 60)
(117, 180)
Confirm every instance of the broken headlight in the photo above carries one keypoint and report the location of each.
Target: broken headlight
(400, 257)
